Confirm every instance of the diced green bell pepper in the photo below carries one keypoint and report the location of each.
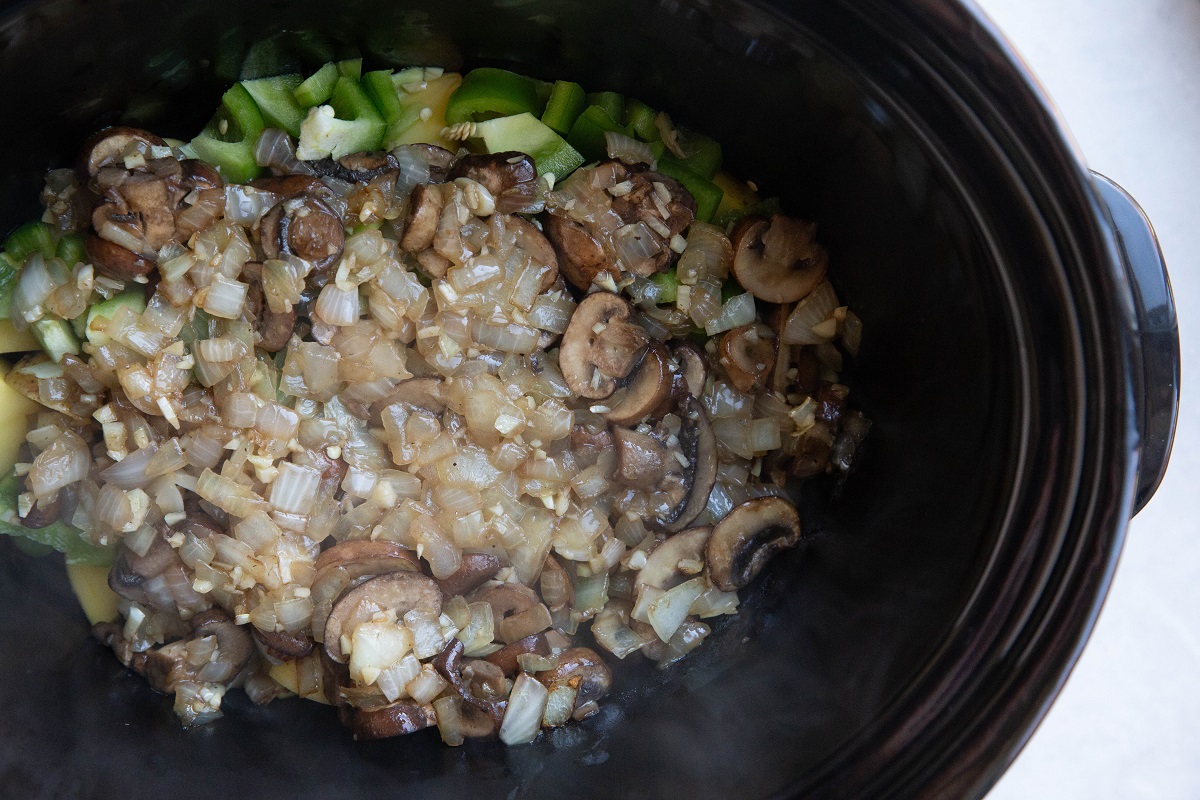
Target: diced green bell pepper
(318, 87)
(229, 139)
(487, 93)
(31, 237)
(564, 106)
(350, 68)
(587, 134)
(613, 103)
(276, 99)
(639, 121)
(702, 155)
(527, 134)
(668, 286)
(707, 194)
(60, 536)
(356, 125)
(71, 249)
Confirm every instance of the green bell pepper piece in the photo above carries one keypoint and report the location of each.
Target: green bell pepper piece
(527, 134)
(566, 103)
(613, 103)
(398, 116)
(229, 139)
(318, 87)
(276, 99)
(702, 155)
(707, 194)
(639, 121)
(487, 93)
(40, 237)
(71, 249)
(350, 68)
(59, 536)
(587, 134)
(668, 286)
(10, 272)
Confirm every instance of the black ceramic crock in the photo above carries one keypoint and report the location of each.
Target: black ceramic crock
(1020, 362)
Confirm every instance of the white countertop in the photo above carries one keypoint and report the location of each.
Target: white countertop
(1126, 76)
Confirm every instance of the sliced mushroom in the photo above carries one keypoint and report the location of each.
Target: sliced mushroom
(499, 173)
(700, 447)
(599, 347)
(356, 167)
(584, 665)
(364, 551)
(654, 196)
(432, 264)
(748, 356)
(284, 646)
(44, 512)
(290, 185)
(168, 665)
(450, 664)
(647, 392)
(506, 657)
(438, 159)
(643, 461)
(424, 211)
(581, 257)
(475, 570)
(662, 569)
(399, 591)
(109, 146)
(747, 538)
(340, 571)
(693, 363)
(397, 719)
(305, 226)
(114, 261)
(517, 611)
(778, 259)
(130, 572)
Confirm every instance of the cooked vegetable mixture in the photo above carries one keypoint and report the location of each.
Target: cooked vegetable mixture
(417, 394)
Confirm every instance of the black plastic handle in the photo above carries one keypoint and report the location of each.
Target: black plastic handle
(1158, 330)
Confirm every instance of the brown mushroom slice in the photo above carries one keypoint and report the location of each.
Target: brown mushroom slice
(148, 198)
(449, 664)
(400, 591)
(747, 538)
(332, 579)
(581, 257)
(365, 550)
(114, 261)
(642, 460)
(693, 364)
(510, 177)
(647, 392)
(535, 244)
(506, 657)
(290, 185)
(110, 145)
(584, 664)
(748, 355)
(699, 446)
(397, 719)
(654, 196)
(305, 226)
(662, 569)
(44, 512)
(599, 347)
(129, 571)
(475, 570)
(424, 211)
(515, 609)
(778, 259)
(284, 646)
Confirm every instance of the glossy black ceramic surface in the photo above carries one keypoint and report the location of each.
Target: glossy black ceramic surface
(908, 648)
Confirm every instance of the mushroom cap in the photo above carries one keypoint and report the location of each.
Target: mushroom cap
(700, 446)
(595, 678)
(599, 347)
(778, 259)
(114, 261)
(305, 226)
(506, 657)
(399, 591)
(662, 565)
(284, 646)
(693, 363)
(748, 355)
(648, 391)
(108, 145)
(496, 172)
(747, 538)
(290, 185)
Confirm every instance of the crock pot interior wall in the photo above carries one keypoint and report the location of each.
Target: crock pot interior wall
(836, 629)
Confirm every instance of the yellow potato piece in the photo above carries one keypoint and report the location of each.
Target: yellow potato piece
(90, 585)
(14, 411)
(13, 341)
(435, 96)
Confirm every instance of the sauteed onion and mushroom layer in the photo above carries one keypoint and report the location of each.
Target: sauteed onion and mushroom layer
(429, 433)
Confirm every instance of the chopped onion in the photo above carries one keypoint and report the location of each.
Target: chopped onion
(670, 610)
(627, 149)
(523, 717)
(337, 306)
(615, 636)
(852, 330)
(392, 680)
(738, 311)
(246, 205)
(426, 686)
(33, 289)
(810, 312)
(66, 461)
(226, 298)
(295, 488)
(448, 711)
(560, 703)
(131, 471)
